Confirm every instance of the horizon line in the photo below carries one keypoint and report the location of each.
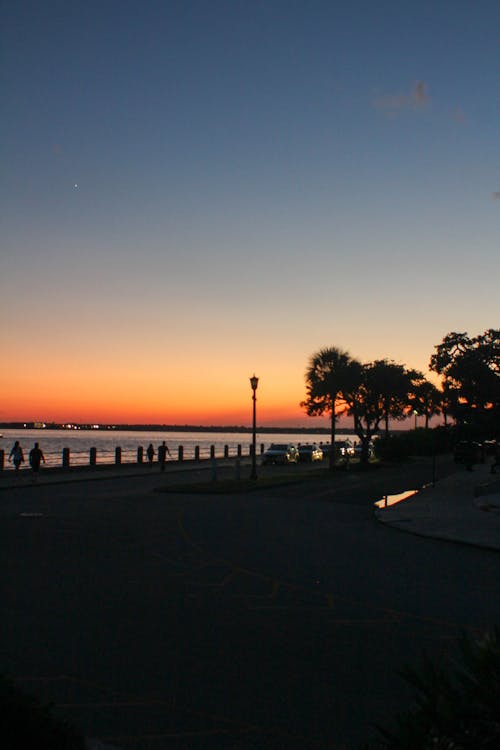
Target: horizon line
(154, 426)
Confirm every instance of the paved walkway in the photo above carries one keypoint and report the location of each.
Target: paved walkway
(10, 479)
(464, 507)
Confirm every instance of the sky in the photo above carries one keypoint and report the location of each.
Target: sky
(194, 191)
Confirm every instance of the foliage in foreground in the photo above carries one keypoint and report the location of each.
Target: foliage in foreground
(457, 702)
(26, 723)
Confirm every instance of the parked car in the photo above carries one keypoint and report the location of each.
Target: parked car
(490, 447)
(325, 448)
(468, 452)
(310, 452)
(344, 447)
(358, 449)
(280, 453)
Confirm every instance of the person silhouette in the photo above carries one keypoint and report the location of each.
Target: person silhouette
(35, 458)
(162, 455)
(150, 453)
(16, 455)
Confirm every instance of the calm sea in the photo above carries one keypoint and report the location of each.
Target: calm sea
(80, 442)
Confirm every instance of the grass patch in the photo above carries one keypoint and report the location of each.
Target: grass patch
(294, 475)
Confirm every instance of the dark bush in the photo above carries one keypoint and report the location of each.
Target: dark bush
(392, 448)
(27, 724)
(419, 442)
(457, 702)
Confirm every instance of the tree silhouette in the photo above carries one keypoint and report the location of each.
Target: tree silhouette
(367, 403)
(392, 381)
(331, 371)
(426, 398)
(470, 367)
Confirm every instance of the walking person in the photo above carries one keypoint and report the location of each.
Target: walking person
(36, 457)
(150, 453)
(16, 455)
(162, 455)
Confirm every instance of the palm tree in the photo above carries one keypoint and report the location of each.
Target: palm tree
(329, 373)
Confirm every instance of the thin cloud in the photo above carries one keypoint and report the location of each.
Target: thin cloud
(417, 98)
(419, 94)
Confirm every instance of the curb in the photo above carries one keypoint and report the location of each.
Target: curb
(436, 536)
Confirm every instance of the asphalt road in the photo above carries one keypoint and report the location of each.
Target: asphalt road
(270, 619)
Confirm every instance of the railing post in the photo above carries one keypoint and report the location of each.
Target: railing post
(239, 450)
(140, 454)
(65, 458)
(226, 451)
(261, 448)
(118, 455)
(93, 456)
(180, 453)
(212, 451)
(2, 459)
(197, 453)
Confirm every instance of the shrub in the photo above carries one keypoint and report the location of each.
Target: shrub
(419, 442)
(457, 703)
(392, 448)
(26, 723)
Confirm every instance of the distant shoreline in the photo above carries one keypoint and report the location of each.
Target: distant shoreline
(176, 428)
(161, 428)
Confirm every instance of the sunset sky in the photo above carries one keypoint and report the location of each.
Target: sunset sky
(196, 190)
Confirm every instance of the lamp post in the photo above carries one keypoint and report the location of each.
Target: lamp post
(254, 382)
(415, 412)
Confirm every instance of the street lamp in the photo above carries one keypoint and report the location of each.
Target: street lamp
(254, 382)
(415, 412)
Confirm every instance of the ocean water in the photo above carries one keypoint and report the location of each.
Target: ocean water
(105, 442)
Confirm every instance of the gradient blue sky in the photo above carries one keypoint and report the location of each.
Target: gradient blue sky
(193, 191)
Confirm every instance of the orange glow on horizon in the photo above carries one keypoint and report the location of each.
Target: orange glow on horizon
(94, 381)
(46, 410)
(130, 401)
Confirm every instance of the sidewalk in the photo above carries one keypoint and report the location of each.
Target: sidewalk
(10, 479)
(464, 508)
